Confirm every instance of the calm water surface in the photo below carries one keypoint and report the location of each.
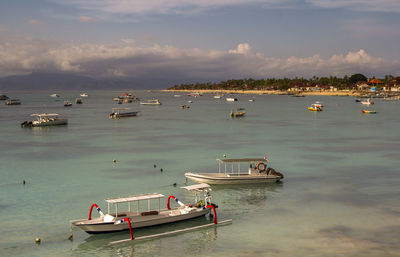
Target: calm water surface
(340, 195)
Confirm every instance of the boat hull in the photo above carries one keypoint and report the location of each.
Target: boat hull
(221, 178)
(97, 226)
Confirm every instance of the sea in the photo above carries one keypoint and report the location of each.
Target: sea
(340, 195)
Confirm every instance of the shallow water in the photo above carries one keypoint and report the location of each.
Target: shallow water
(340, 195)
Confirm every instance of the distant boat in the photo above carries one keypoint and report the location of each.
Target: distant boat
(78, 101)
(67, 103)
(177, 95)
(116, 113)
(240, 112)
(151, 102)
(3, 97)
(55, 95)
(231, 99)
(367, 102)
(13, 102)
(84, 95)
(319, 104)
(368, 112)
(218, 96)
(45, 119)
(251, 100)
(314, 108)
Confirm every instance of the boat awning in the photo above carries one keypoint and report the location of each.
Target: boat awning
(197, 187)
(134, 198)
(243, 160)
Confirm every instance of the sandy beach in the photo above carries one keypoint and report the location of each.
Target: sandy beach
(267, 92)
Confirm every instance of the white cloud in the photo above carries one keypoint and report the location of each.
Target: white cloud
(87, 19)
(359, 5)
(20, 55)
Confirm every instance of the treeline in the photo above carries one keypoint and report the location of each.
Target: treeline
(282, 84)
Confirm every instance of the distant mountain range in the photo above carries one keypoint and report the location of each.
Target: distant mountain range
(65, 81)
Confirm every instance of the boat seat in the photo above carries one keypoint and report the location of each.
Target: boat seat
(147, 213)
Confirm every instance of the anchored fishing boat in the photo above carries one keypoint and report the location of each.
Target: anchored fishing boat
(230, 172)
(115, 221)
(116, 113)
(45, 119)
(151, 102)
(240, 112)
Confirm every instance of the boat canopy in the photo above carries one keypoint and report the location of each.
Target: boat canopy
(243, 160)
(197, 187)
(134, 198)
(44, 114)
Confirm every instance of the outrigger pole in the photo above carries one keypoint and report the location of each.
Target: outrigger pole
(172, 232)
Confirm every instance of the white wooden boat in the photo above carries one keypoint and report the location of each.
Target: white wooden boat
(113, 222)
(84, 95)
(55, 95)
(368, 101)
(45, 119)
(230, 172)
(231, 99)
(119, 113)
(151, 102)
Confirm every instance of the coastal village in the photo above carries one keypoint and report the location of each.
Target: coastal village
(355, 85)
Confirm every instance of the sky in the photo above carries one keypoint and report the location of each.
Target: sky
(200, 40)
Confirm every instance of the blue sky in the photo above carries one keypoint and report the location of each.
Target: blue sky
(201, 39)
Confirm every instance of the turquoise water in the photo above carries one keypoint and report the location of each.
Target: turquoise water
(340, 195)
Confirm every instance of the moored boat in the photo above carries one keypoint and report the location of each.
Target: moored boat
(4, 97)
(151, 102)
(240, 112)
(84, 95)
(258, 172)
(368, 101)
(368, 111)
(116, 113)
(12, 102)
(55, 95)
(318, 104)
(67, 103)
(314, 108)
(78, 101)
(231, 99)
(45, 119)
(114, 221)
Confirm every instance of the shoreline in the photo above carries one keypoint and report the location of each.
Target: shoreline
(266, 92)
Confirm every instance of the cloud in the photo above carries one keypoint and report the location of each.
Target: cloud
(33, 22)
(128, 40)
(87, 19)
(359, 5)
(19, 55)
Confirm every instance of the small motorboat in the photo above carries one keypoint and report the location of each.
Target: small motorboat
(230, 172)
(116, 113)
(78, 101)
(368, 111)
(314, 108)
(369, 101)
(115, 221)
(4, 97)
(45, 119)
(185, 106)
(231, 99)
(151, 102)
(240, 112)
(13, 102)
(55, 95)
(67, 103)
(84, 95)
(218, 96)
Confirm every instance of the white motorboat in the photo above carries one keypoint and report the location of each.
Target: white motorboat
(113, 222)
(218, 96)
(368, 101)
(119, 113)
(55, 95)
(257, 172)
(45, 119)
(151, 102)
(231, 99)
(12, 102)
(84, 95)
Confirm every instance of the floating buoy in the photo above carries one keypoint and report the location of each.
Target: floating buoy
(155, 166)
(174, 184)
(114, 161)
(23, 182)
(38, 240)
(161, 170)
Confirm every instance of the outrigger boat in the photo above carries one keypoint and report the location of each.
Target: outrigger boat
(45, 119)
(258, 172)
(113, 222)
(116, 113)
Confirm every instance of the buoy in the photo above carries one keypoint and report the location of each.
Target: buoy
(24, 182)
(155, 166)
(174, 184)
(161, 170)
(114, 161)
(37, 240)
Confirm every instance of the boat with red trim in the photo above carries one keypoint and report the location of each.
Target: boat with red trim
(229, 172)
(138, 218)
